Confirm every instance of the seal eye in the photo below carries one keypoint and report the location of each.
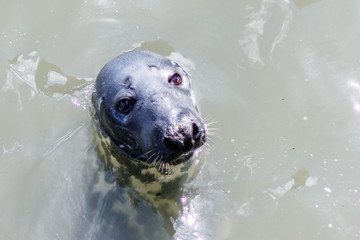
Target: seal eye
(175, 79)
(125, 105)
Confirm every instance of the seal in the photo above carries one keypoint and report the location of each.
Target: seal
(149, 132)
(145, 105)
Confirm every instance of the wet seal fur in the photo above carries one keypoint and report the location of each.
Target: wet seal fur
(149, 129)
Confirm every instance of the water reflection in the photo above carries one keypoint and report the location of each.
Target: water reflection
(354, 86)
(304, 3)
(255, 29)
(42, 76)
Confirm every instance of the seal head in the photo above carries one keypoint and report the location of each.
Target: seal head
(145, 105)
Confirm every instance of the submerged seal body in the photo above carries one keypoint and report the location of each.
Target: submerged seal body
(145, 104)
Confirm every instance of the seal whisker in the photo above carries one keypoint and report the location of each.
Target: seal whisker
(152, 162)
(211, 131)
(209, 145)
(208, 121)
(162, 165)
(145, 154)
(159, 163)
(151, 157)
(155, 161)
(208, 124)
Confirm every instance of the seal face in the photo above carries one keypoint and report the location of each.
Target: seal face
(145, 105)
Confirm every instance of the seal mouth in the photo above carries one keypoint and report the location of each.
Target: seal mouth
(164, 161)
(158, 157)
(175, 159)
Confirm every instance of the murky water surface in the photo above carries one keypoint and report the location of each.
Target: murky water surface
(281, 79)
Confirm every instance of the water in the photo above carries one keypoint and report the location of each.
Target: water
(281, 79)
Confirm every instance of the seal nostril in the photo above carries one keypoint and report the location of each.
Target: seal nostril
(188, 144)
(170, 144)
(196, 132)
